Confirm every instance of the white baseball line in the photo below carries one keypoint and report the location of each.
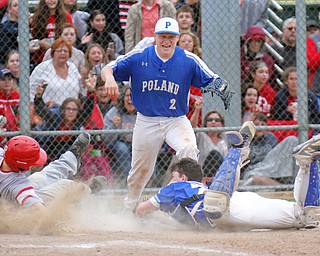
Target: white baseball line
(127, 243)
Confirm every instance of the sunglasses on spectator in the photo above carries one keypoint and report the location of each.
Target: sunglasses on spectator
(291, 28)
(217, 120)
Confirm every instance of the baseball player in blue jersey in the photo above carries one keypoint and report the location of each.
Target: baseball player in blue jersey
(160, 77)
(188, 201)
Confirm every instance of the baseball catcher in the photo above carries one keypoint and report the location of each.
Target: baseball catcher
(193, 204)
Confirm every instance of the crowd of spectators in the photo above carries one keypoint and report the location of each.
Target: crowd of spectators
(69, 47)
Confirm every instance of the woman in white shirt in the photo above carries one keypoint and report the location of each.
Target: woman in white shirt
(213, 145)
(61, 76)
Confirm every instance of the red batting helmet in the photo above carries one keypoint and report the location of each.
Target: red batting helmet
(23, 152)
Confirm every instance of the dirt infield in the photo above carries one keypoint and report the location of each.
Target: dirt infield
(161, 242)
(96, 227)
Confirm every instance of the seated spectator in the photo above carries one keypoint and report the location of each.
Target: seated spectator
(9, 31)
(259, 74)
(13, 64)
(313, 27)
(213, 145)
(191, 43)
(3, 8)
(68, 32)
(313, 62)
(99, 33)
(142, 19)
(270, 164)
(111, 11)
(252, 51)
(285, 103)
(288, 40)
(69, 116)
(94, 60)
(102, 104)
(195, 5)
(79, 18)
(250, 104)
(62, 76)
(185, 19)
(9, 100)
(122, 116)
(48, 18)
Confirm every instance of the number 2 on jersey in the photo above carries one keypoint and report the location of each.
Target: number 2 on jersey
(173, 103)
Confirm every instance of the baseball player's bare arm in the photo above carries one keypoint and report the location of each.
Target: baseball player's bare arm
(110, 83)
(197, 108)
(145, 208)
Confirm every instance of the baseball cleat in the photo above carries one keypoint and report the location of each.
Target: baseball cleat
(97, 183)
(234, 138)
(247, 131)
(308, 149)
(244, 137)
(79, 146)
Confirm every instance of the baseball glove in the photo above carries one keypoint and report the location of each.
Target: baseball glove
(221, 88)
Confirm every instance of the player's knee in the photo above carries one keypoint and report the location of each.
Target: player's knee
(188, 151)
(216, 204)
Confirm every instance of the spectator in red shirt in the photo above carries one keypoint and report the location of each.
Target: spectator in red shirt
(285, 103)
(48, 18)
(259, 74)
(252, 51)
(313, 57)
(190, 42)
(9, 99)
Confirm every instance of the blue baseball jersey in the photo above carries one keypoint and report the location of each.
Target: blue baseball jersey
(161, 88)
(170, 196)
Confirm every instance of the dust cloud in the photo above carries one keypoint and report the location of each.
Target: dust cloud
(75, 211)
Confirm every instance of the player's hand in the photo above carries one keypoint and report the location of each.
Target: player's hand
(198, 103)
(90, 82)
(86, 38)
(112, 89)
(40, 90)
(116, 120)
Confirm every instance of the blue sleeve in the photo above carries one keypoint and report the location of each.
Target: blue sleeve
(202, 74)
(123, 65)
(166, 198)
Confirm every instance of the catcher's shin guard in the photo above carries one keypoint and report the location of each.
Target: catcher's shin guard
(227, 176)
(312, 197)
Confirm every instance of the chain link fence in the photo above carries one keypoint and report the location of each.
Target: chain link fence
(269, 52)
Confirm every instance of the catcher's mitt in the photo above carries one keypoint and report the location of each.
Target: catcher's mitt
(221, 88)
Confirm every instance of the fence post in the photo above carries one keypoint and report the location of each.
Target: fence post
(221, 52)
(302, 70)
(24, 59)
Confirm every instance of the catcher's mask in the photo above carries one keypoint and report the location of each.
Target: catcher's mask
(23, 152)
